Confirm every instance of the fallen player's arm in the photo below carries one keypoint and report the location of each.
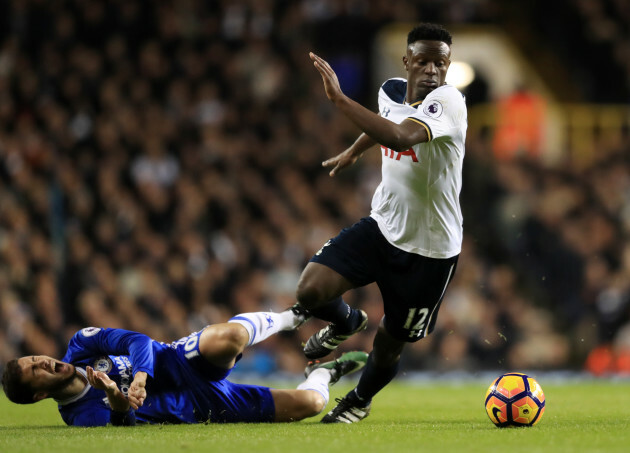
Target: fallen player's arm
(137, 390)
(121, 409)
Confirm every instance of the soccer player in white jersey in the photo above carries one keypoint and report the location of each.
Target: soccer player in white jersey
(410, 243)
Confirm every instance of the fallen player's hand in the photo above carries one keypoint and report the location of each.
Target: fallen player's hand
(100, 380)
(137, 390)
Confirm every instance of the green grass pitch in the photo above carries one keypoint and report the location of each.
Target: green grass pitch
(581, 416)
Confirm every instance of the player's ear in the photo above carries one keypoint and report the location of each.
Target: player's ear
(405, 62)
(38, 396)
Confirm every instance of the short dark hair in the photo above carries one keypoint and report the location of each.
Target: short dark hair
(12, 384)
(429, 32)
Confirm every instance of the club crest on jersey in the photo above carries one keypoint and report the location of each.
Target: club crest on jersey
(433, 109)
(103, 364)
(90, 331)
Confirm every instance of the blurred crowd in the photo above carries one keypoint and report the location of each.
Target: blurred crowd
(562, 36)
(160, 169)
(597, 28)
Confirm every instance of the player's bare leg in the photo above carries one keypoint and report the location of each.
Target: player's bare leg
(311, 396)
(319, 291)
(294, 405)
(220, 344)
(319, 285)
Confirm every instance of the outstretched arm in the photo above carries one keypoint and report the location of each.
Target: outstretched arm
(398, 137)
(350, 155)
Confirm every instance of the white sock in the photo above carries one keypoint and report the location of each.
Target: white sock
(318, 381)
(261, 325)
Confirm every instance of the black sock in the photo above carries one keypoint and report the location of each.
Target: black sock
(339, 313)
(372, 380)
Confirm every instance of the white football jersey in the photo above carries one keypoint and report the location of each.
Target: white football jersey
(416, 204)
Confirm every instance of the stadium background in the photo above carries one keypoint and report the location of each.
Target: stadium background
(160, 170)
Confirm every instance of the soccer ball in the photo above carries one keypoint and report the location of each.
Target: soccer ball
(515, 399)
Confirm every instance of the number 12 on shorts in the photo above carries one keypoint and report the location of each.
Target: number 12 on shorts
(415, 321)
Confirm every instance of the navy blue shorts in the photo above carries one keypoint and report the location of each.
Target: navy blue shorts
(412, 285)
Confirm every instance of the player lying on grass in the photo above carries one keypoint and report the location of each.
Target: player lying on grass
(118, 377)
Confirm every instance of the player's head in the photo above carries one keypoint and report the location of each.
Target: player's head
(427, 59)
(429, 32)
(30, 379)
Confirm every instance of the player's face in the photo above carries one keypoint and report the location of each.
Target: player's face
(426, 63)
(45, 373)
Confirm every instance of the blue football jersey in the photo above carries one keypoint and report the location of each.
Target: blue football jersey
(183, 387)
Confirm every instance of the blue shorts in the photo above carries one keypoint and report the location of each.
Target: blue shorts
(214, 398)
(412, 285)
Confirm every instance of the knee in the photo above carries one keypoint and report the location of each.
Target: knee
(313, 290)
(312, 403)
(235, 337)
(320, 284)
(316, 404)
(224, 340)
(298, 404)
(307, 294)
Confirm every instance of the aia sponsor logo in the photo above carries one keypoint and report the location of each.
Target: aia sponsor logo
(398, 154)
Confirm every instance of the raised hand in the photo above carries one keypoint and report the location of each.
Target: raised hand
(331, 83)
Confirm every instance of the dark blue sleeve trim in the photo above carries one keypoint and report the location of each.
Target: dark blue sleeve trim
(425, 124)
(396, 90)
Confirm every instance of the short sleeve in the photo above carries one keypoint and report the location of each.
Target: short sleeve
(440, 112)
